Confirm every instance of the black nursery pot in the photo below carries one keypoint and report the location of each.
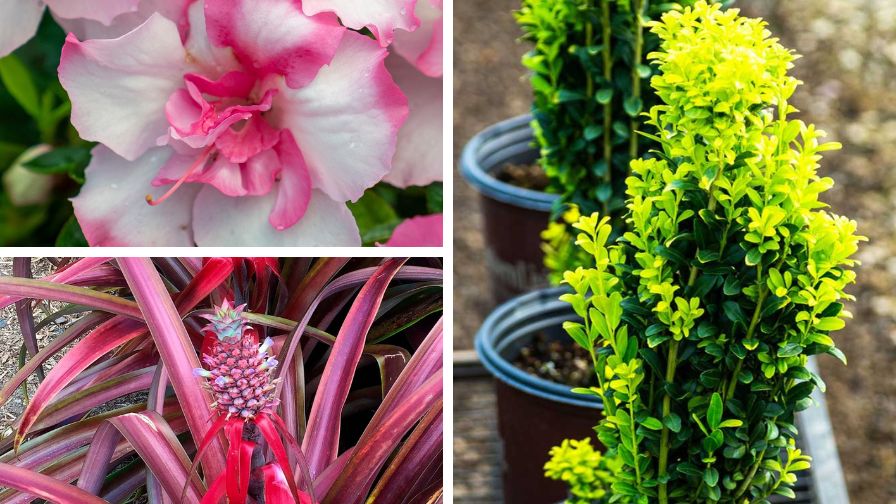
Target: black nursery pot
(513, 217)
(533, 414)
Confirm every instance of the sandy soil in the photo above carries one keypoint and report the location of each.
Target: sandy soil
(849, 69)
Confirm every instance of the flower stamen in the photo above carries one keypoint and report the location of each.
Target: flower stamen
(199, 163)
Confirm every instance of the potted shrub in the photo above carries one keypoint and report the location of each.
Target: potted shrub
(336, 395)
(724, 220)
(702, 318)
(590, 82)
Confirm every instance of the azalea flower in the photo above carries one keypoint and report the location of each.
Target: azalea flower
(256, 112)
(19, 19)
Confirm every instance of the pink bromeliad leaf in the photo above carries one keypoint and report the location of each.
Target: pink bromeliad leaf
(45, 487)
(261, 110)
(382, 17)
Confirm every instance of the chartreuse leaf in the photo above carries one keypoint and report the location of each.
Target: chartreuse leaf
(20, 84)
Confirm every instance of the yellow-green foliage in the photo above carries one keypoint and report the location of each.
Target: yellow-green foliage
(700, 319)
(587, 472)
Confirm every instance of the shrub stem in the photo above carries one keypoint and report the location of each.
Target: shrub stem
(671, 364)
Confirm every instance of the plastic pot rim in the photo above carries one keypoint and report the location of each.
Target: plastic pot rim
(484, 182)
(490, 334)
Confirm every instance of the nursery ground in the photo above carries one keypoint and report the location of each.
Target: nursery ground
(849, 69)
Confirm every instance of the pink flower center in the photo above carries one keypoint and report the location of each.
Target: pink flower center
(223, 120)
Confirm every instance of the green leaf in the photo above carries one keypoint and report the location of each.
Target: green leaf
(644, 71)
(71, 235)
(604, 96)
(673, 422)
(652, 423)
(62, 160)
(734, 313)
(375, 216)
(593, 131)
(714, 413)
(434, 198)
(711, 476)
(632, 105)
(20, 84)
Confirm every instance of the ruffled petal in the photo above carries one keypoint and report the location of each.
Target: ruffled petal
(112, 210)
(423, 231)
(103, 11)
(294, 191)
(423, 46)
(382, 17)
(18, 23)
(346, 121)
(85, 29)
(418, 157)
(119, 87)
(220, 220)
(274, 36)
(214, 60)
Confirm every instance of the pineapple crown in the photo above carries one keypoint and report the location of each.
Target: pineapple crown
(227, 322)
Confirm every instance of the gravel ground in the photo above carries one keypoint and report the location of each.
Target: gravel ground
(11, 343)
(849, 69)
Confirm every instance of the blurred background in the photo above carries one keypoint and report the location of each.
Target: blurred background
(849, 70)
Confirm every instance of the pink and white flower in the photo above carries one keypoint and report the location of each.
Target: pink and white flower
(255, 109)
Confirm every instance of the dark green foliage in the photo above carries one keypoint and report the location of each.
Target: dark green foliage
(591, 81)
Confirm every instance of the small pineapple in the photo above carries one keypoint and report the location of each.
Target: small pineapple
(237, 368)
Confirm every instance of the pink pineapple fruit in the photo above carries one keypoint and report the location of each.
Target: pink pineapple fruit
(239, 371)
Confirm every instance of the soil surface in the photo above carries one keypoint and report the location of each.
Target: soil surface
(849, 70)
(560, 361)
(525, 176)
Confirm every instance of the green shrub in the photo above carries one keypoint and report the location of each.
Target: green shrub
(590, 81)
(587, 472)
(701, 318)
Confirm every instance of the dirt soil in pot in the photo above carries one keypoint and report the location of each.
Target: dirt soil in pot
(559, 361)
(849, 70)
(529, 176)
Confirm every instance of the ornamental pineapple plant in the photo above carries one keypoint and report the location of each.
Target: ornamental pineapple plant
(700, 318)
(238, 370)
(591, 82)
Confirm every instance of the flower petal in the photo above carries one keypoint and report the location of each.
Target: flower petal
(86, 29)
(220, 220)
(346, 121)
(119, 87)
(423, 231)
(382, 17)
(18, 23)
(274, 36)
(423, 46)
(418, 156)
(103, 11)
(294, 192)
(112, 210)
